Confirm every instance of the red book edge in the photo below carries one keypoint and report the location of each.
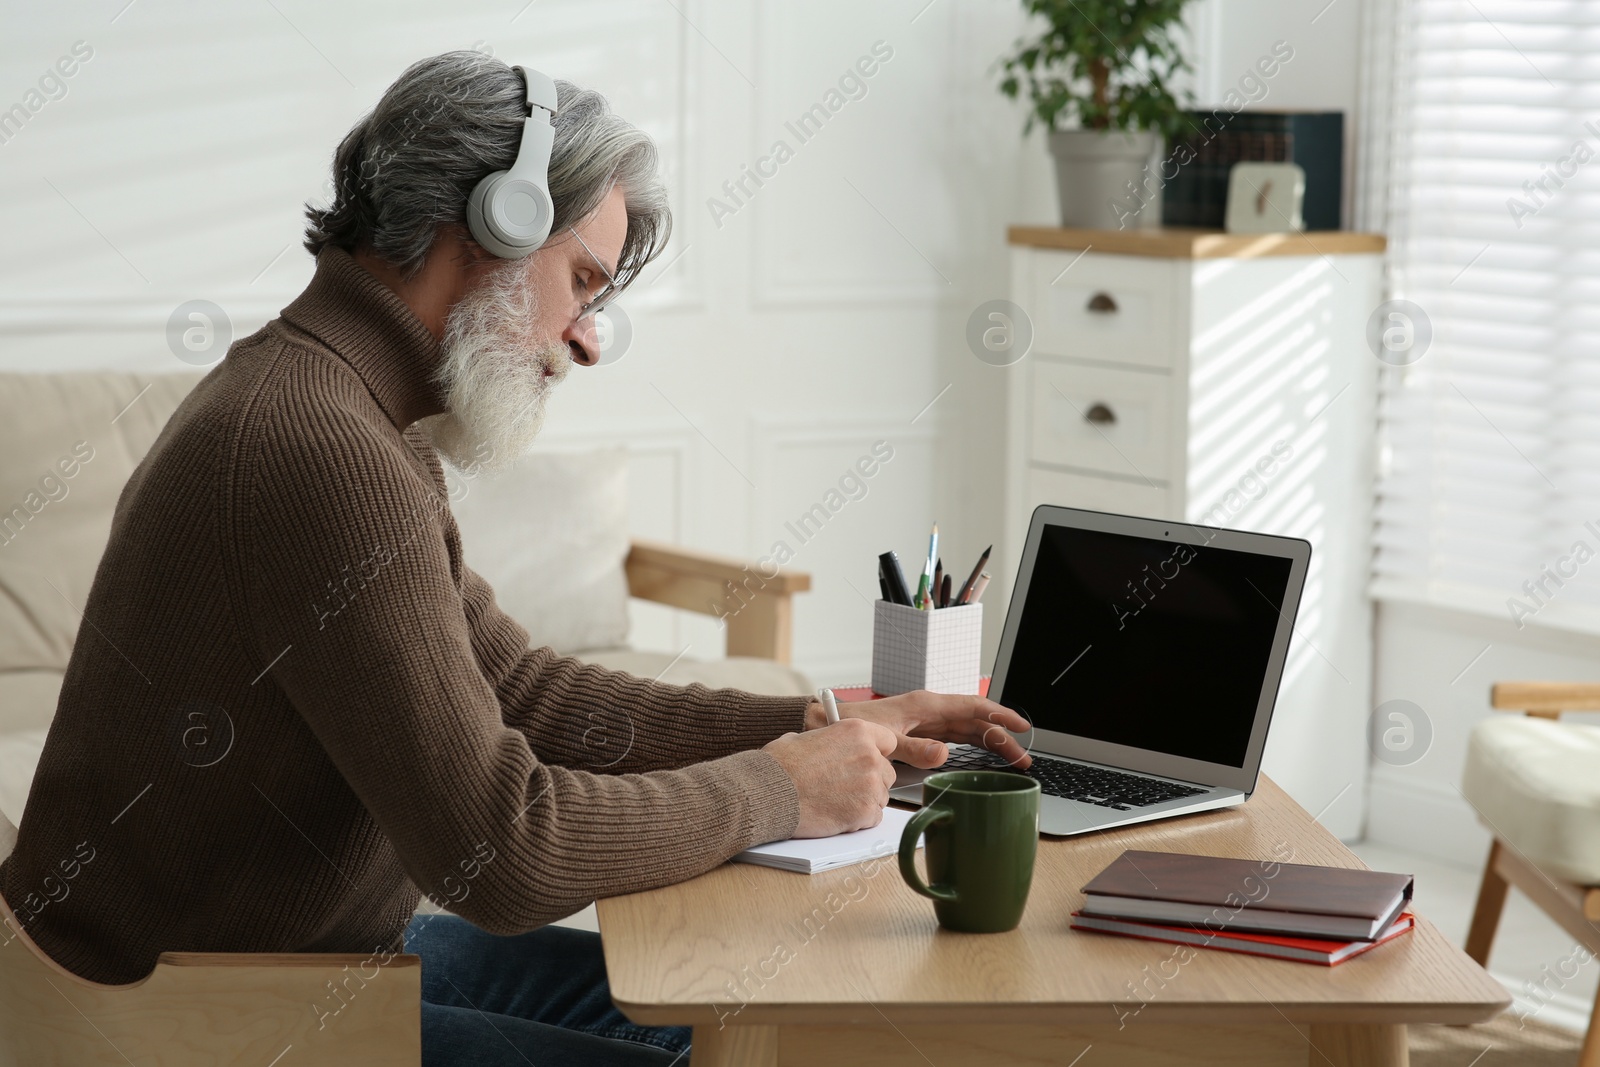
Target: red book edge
(864, 692)
(1220, 940)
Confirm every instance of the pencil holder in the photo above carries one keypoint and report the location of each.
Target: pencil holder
(934, 650)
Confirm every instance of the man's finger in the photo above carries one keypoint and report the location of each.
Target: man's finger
(1003, 716)
(886, 739)
(953, 709)
(886, 777)
(923, 752)
(1006, 746)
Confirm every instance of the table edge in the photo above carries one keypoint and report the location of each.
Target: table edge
(1041, 1014)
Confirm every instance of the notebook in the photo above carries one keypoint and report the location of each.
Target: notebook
(1301, 949)
(812, 855)
(1258, 896)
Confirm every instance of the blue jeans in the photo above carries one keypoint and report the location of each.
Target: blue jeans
(539, 997)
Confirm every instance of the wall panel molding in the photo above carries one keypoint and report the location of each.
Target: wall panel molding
(772, 434)
(775, 281)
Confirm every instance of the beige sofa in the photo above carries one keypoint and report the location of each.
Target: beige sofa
(550, 536)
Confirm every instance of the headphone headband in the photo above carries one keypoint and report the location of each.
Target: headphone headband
(541, 91)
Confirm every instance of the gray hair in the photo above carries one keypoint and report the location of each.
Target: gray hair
(408, 166)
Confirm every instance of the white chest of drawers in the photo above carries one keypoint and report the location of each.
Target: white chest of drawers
(1222, 379)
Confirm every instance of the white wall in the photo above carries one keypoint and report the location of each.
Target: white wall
(1326, 38)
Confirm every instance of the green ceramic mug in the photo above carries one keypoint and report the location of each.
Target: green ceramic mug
(982, 830)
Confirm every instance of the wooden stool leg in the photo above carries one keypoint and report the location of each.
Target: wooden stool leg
(1358, 1045)
(1486, 916)
(735, 1046)
(1590, 1055)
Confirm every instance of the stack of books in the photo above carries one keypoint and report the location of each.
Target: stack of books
(1287, 911)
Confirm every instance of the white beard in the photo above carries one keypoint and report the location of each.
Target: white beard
(494, 373)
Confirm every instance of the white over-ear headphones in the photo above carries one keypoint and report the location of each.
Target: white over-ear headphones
(510, 211)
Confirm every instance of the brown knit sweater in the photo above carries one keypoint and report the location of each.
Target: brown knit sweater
(291, 706)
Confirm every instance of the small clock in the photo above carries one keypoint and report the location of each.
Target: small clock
(1265, 198)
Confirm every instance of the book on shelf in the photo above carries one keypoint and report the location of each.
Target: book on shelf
(1300, 949)
(1196, 166)
(1251, 896)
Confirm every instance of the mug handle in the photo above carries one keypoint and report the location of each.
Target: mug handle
(908, 852)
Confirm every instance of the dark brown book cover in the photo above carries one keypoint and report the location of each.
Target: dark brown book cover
(1255, 885)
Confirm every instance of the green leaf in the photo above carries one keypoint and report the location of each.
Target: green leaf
(1133, 39)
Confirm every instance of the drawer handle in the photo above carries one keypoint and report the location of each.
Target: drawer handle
(1099, 415)
(1102, 302)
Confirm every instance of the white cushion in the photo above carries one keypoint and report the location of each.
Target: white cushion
(19, 758)
(27, 704)
(54, 525)
(753, 675)
(550, 535)
(28, 699)
(1536, 784)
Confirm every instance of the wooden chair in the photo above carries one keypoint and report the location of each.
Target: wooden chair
(333, 1009)
(1555, 870)
(758, 610)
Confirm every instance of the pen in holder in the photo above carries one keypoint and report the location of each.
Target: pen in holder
(934, 650)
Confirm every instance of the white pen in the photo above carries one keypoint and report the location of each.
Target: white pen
(830, 706)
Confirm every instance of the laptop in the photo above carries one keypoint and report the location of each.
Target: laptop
(1147, 656)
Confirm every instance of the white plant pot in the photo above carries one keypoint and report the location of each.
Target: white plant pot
(1108, 179)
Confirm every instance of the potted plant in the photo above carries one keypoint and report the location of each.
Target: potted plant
(1098, 80)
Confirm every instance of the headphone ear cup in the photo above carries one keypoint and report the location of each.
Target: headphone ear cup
(510, 215)
(522, 211)
(476, 222)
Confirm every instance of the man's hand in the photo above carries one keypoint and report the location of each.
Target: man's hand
(842, 774)
(921, 721)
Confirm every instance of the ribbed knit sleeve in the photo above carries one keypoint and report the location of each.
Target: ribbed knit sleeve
(627, 724)
(363, 614)
(581, 715)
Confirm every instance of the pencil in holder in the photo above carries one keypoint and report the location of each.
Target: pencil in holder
(935, 650)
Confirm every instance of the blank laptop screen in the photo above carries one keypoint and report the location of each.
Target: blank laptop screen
(1155, 644)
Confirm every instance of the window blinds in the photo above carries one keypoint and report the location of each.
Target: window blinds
(1489, 480)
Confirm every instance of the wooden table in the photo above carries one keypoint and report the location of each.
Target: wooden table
(850, 968)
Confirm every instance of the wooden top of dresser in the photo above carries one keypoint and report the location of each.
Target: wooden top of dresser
(1179, 242)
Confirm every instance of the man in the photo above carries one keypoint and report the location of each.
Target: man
(283, 569)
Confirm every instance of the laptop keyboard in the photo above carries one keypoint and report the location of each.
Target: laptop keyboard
(1075, 781)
